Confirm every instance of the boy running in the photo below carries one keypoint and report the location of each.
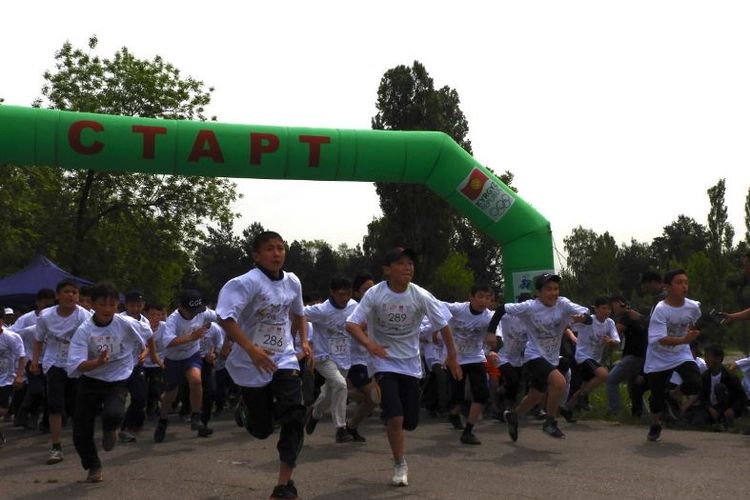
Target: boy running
(101, 352)
(258, 311)
(670, 332)
(332, 350)
(182, 358)
(12, 363)
(592, 339)
(469, 324)
(55, 327)
(392, 311)
(544, 319)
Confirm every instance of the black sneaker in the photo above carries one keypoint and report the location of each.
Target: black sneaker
(455, 420)
(469, 438)
(550, 427)
(568, 415)
(356, 436)
(204, 430)
(161, 430)
(109, 438)
(239, 414)
(343, 435)
(511, 420)
(311, 422)
(654, 432)
(284, 491)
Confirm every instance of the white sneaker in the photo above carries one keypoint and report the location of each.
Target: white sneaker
(55, 456)
(400, 472)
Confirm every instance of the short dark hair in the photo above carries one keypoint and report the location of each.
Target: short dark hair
(104, 291)
(480, 287)
(670, 275)
(64, 283)
(45, 293)
(601, 301)
(650, 276)
(361, 279)
(340, 283)
(263, 237)
(618, 297)
(716, 351)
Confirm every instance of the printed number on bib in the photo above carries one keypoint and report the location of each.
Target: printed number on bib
(270, 338)
(106, 342)
(338, 345)
(62, 350)
(396, 316)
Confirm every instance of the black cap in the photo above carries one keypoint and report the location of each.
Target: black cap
(545, 278)
(193, 301)
(396, 253)
(134, 296)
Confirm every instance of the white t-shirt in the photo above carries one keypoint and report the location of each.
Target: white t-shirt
(214, 337)
(469, 332)
(545, 326)
(145, 333)
(332, 340)
(177, 326)
(261, 307)
(592, 338)
(668, 321)
(121, 337)
(158, 337)
(22, 327)
(11, 350)
(393, 321)
(514, 341)
(56, 331)
(433, 348)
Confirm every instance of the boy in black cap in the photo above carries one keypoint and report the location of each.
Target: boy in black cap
(545, 320)
(182, 333)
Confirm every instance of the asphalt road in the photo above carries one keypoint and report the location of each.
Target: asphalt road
(597, 460)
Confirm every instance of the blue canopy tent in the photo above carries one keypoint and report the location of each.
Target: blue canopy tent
(20, 288)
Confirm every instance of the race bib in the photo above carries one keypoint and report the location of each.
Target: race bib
(63, 346)
(550, 346)
(205, 344)
(105, 342)
(270, 337)
(396, 316)
(339, 345)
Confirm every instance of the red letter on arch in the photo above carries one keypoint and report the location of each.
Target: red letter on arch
(314, 141)
(261, 144)
(74, 137)
(149, 138)
(213, 151)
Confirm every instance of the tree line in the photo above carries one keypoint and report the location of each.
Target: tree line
(160, 233)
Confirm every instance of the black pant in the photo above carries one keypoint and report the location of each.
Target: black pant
(137, 388)
(436, 394)
(209, 390)
(34, 402)
(154, 386)
(511, 381)
(279, 401)
(400, 397)
(224, 387)
(94, 394)
(476, 374)
(657, 382)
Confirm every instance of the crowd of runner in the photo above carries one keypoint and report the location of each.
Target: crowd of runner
(279, 361)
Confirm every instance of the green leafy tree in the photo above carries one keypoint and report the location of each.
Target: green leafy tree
(591, 264)
(219, 258)
(453, 278)
(137, 218)
(412, 214)
(720, 240)
(679, 241)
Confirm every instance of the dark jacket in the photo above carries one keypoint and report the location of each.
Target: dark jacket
(736, 392)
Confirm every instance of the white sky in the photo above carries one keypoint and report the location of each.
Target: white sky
(614, 115)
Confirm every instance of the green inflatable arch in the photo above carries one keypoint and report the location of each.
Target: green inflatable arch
(30, 136)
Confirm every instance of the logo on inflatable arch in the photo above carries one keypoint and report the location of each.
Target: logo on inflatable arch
(486, 194)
